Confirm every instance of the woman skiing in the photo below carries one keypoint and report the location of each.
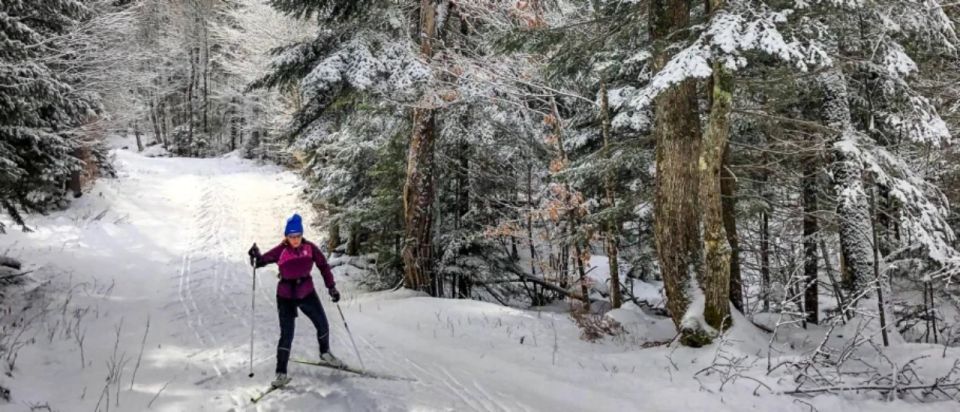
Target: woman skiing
(295, 257)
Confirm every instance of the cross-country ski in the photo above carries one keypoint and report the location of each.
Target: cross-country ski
(479, 205)
(261, 395)
(349, 369)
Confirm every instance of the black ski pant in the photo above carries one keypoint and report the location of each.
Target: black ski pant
(287, 308)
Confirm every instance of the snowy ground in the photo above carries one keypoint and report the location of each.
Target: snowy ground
(165, 243)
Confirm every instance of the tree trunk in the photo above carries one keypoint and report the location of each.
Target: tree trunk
(164, 128)
(418, 189)
(537, 297)
(418, 201)
(716, 276)
(881, 305)
(353, 243)
(571, 213)
(853, 209)
(242, 128)
(206, 75)
(75, 185)
(810, 267)
(584, 288)
(886, 225)
(234, 129)
(190, 88)
(154, 120)
(611, 240)
(765, 237)
(333, 237)
(728, 189)
(677, 134)
(828, 267)
(136, 132)
(463, 182)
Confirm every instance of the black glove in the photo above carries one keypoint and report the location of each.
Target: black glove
(254, 253)
(334, 294)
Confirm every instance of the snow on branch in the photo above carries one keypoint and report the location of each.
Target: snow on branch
(924, 209)
(367, 62)
(729, 36)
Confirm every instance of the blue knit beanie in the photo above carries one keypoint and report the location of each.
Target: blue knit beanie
(294, 225)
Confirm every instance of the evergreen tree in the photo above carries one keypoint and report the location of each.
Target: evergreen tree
(41, 109)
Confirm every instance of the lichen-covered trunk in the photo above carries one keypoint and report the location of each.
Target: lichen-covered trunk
(677, 134)
(419, 184)
(716, 248)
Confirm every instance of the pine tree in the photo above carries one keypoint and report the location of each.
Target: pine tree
(40, 108)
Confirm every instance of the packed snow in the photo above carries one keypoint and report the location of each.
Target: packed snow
(149, 272)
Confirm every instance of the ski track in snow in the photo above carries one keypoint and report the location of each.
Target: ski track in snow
(175, 240)
(199, 216)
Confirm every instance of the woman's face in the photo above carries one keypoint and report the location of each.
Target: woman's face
(294, 240)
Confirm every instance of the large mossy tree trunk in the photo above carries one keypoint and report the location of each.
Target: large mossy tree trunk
(716, 247)
(676, 207)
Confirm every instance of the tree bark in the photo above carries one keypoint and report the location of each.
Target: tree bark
(810, 228)
(333, 237)
(728, 189)
(155, 122)
(353, 243)
(572, 212)
(75, 184)
(612, 238)
(853, 210)
(677, 134)
(234, 129)
(765, 235)
(190, 92)
(463, 182)
(537, 296)
(162, 120)
(418, 202)
(206, 75)
(716, 276)
(136, 133)
(881, 304)
(418, 189)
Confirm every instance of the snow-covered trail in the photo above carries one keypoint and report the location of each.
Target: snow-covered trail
(165, 243)
(168, 237)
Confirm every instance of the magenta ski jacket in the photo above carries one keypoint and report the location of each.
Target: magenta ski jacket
(295, 265)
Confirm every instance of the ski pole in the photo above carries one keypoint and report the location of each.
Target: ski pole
(347, 327)
(253, 303)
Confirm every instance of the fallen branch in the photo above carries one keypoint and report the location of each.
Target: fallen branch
(553, 287)
(882, 388)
